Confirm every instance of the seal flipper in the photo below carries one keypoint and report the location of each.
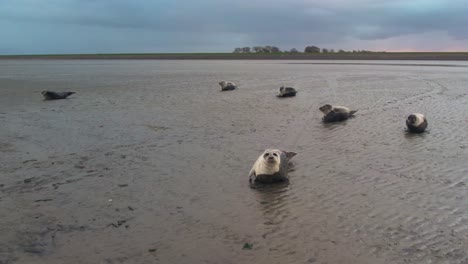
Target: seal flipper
(66, 94)
(352, 112)
(252, 175)
(252, 179)
(289, 154)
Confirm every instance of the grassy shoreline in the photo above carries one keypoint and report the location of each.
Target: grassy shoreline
(457, 56)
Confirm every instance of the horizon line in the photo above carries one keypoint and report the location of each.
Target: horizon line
(250, 53)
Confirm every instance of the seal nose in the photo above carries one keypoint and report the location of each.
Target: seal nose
(271, 158)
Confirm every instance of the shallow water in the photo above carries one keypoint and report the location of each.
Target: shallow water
(148, 162)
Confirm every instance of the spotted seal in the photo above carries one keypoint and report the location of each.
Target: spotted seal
(227, 86)
(286, 91)
(416, 123)
(272, 166)
(49, 95)
(335, 113)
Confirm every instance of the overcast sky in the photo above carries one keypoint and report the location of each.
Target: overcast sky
(113, 26)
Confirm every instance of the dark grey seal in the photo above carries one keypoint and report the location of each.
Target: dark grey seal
(286, 92)
(227, 86)
(335, 113)
(272, 166)
(49, 95)
(416, 123)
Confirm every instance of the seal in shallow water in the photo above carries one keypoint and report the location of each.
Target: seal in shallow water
(335, 113)
(286, 92)
(227, 86)
(416, 123)
(272, 166)
(48, 95)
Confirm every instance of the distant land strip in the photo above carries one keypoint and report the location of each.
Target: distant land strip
(449, 56)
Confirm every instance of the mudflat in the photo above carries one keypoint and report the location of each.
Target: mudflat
(148, 162)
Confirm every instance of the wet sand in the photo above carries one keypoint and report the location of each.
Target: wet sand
(148, 163)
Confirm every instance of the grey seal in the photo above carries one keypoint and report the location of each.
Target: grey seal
(335, 113)
(286, 91)
(49, 95)
(416, 123)
(227, 86)
(272, 166)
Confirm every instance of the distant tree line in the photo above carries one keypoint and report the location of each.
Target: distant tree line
(307, 49)
(258, 49)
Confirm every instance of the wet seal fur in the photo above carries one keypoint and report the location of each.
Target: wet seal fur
(227, 86)
(272, 166)
(286, 92)
(335, 113)
(49, 95)
(416, 123)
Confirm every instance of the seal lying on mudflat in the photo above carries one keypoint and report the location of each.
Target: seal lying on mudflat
(48, 95)
(271, 166)
(335, 113)
(416, 123)
(286, 91)
(227, 86)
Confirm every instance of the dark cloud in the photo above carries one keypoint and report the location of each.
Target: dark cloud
(220, 25)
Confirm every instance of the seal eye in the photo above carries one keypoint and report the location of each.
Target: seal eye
(274, 154)
(266, 155)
